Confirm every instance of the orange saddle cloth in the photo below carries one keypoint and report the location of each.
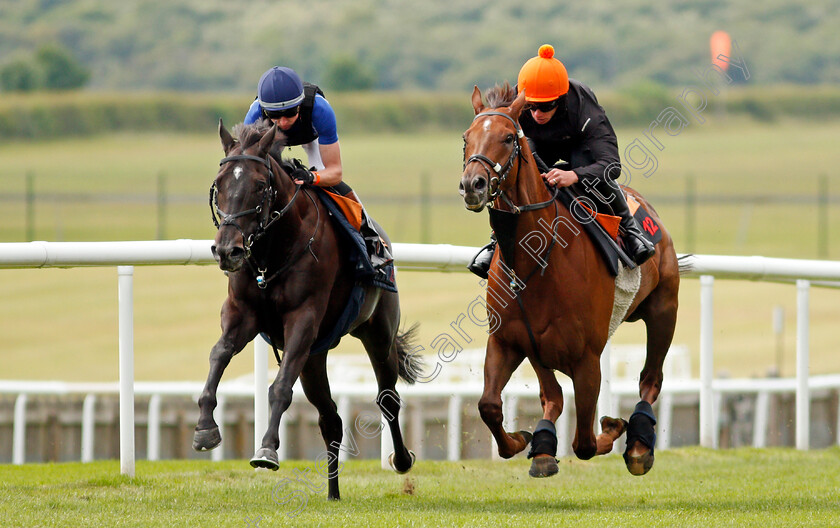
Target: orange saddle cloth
(351, 208)
(610, 223)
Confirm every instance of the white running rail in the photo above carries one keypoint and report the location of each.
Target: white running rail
(440, 257)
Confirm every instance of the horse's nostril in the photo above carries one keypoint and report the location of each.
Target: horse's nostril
(237, 253)
(461, 189)
(213, 250)
(480, 184)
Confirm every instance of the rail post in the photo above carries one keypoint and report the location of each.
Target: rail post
(126, 339)
(88, 427)
(803, 394)
(19, 431)
(708, 426)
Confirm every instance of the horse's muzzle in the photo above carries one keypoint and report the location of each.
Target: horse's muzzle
(230, 258)
(473, 190)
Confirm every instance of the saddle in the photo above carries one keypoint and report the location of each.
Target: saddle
(346, 215)
(604, 230)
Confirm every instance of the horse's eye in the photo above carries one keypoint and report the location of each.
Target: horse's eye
(509, 139)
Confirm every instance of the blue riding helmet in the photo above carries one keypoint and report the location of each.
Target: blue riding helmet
(280, 88)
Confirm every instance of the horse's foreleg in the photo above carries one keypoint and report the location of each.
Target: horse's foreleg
(544, 443)
(499, 365)
(233, 340)
(298, 340)
(279, 399)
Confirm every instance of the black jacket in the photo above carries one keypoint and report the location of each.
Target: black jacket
(581, 135)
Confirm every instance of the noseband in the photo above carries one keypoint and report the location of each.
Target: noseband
(502, 171)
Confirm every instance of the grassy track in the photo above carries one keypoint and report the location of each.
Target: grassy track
(52, 321)
(688, 487)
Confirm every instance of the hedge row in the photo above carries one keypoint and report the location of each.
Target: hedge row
(44, 116)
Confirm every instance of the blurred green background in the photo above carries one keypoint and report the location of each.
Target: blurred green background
(108, 115)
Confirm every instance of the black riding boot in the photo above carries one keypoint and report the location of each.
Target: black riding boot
(378, 251)
(635, 242)
(480, 264)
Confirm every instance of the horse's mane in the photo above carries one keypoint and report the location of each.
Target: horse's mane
(500, 95)
(248, 135)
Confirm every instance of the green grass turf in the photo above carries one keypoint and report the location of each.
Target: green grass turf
(53, 321)
(687, 487)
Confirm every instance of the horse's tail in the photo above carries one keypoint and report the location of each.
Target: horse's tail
(411, 364)
(686, 263)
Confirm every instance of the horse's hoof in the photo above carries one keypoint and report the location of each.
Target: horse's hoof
(207, 439)
(265, 458)
(543, 466)
(639, 463)
(413, 459)
(641, 439)
(616, 426)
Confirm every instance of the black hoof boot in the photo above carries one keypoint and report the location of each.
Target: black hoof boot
(544, 442)
(641, 439)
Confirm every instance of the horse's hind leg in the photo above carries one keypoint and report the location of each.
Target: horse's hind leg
(587, 383)
(379, 336)
(316, 386)
(499, 365)
(659, 313)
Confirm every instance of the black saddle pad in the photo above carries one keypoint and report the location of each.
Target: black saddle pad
(358, 255)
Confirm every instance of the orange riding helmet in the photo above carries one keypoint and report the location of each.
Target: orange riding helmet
(543, 78)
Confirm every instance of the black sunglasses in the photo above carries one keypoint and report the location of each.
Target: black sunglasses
(277, 114)
(547, 106)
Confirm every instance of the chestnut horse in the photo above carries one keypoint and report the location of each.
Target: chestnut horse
(288, 278)
(561, 317)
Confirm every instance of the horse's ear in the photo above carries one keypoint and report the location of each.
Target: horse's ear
(517, 105)
(227, 139)
(478, 106)
(268, 139)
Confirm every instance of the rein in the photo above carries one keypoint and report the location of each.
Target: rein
(221, 219)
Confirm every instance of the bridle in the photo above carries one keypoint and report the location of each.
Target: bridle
(265, 221)
(503, 171)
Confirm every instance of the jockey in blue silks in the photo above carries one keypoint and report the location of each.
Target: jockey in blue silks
(303, 114)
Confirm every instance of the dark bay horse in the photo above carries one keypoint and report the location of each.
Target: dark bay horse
(560, 318)
(288, 278)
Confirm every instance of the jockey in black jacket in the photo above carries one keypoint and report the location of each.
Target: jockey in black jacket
(569, 131)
